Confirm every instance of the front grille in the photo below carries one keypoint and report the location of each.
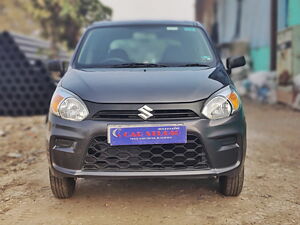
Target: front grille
(132, 115)
(103, 157)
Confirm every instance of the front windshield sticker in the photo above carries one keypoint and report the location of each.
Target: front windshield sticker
(172, 28)
(206, 58)
(189, 29)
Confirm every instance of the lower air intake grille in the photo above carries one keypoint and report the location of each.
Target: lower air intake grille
(103, 157)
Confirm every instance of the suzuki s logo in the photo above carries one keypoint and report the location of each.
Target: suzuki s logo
(145, 112)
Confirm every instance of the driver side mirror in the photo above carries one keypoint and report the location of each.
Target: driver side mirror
(58, 66)
(234, 62)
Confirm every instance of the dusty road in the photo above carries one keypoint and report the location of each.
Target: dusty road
(271, 193)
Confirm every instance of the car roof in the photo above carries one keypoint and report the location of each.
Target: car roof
(145, 22)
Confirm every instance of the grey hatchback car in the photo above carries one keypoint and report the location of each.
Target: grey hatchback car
(144, 99)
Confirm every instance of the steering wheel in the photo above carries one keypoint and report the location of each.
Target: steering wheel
(114, 60)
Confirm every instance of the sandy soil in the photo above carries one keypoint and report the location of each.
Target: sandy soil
(271, 193)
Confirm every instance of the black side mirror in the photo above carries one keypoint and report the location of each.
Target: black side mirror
(57, 66)
(234, 62)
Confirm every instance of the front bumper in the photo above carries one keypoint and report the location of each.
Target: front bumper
(224, 157)
(60, 171)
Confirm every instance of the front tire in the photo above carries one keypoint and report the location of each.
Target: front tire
(62, 187)
(232, 185)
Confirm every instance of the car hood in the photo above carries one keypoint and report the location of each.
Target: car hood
(153, 85)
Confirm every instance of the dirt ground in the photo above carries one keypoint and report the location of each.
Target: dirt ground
(271, 193)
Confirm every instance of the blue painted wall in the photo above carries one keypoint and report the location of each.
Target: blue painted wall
(293, 12)
(260, 58)
(282, 14)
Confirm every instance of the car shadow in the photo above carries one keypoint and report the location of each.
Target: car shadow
(139, 188)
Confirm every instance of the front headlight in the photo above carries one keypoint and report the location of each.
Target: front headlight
(67, 105)
(222, 104)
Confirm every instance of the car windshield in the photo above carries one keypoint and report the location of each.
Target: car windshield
(144, 46)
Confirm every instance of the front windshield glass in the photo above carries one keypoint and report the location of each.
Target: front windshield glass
(139, 46)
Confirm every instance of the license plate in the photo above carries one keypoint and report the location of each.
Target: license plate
(146, 135)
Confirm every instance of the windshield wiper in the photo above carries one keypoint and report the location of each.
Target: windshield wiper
(137, 65)
(194, 65)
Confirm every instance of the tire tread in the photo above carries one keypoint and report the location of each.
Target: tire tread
(62, 187)
(232, 185)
